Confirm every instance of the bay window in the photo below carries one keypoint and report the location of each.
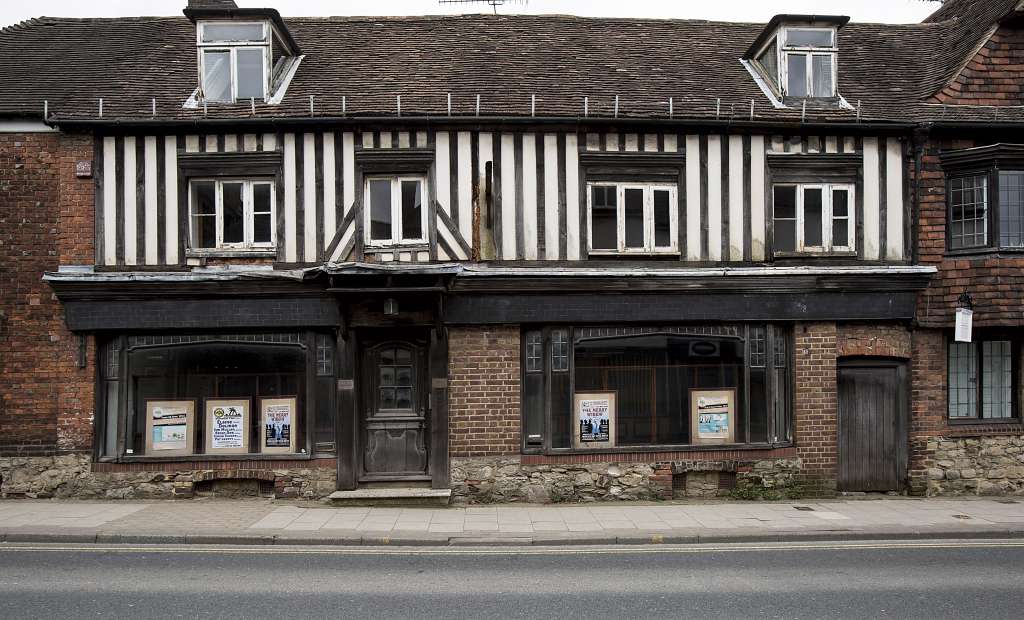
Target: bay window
(231, 214)
(627, 218)
(813, 218)
(396, 212)
(655, 386)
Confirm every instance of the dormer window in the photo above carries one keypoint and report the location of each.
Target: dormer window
(234, 60)
(796, 57)
(810, 62)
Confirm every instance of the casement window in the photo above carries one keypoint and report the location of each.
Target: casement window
(162, 392)
(801, 62)
(984, 379)
(234, 60)
(813, 218)
(658, 377)
(986, 210)
(396, 211)
(628, 218)
(231, 214)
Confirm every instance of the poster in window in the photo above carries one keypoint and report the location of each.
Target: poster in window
(594, 417)
(713, 415)
(278, 420)
(227, 426)
(170, 427)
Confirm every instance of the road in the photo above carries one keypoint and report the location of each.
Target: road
(981, 579)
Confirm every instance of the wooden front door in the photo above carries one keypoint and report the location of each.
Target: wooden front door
(872, 425)
(395, 432)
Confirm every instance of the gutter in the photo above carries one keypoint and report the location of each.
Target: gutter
(470, 121)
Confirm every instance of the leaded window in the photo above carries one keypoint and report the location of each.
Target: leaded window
(983, 379)
(968, 203)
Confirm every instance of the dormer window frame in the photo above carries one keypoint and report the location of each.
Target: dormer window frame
(768, 58)
(809, 52)
(232, 48)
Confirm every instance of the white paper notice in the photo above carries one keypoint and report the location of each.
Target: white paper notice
(228, 427)
(964, 323)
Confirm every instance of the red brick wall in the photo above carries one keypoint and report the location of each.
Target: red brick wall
(995, 76)
(927, 402)
(46, 401)
(873, 341)
(815, 407)
(483, 405)
(996, 283)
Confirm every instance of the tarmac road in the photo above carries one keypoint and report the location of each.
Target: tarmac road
(940, 579)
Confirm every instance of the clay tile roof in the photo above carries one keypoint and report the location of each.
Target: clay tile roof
(890, 69)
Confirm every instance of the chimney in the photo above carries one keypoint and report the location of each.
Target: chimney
(212, 4)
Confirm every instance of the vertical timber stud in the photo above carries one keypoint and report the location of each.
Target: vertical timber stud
(439, 406)
(347, 411)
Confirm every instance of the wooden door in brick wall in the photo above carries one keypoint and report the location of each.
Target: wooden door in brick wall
(395, 421)
(872, 448)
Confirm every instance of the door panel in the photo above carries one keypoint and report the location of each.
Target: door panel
(872, 423)
(395, 420)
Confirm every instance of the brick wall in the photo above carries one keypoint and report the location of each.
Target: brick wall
(995, 76)
(927, 403)
(483, 406)
(46, 401)
(873, 341)
(815, 408)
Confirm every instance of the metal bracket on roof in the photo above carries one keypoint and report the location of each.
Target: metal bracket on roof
(671, 108)
(586, 106)
(101, 107)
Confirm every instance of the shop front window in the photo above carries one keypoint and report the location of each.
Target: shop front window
(208, 394)
(673, 386)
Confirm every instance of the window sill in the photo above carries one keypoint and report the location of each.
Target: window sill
(404, 247)
(228, 253)
(744, 447)
(814, 254)
(983, 422)
(986, 252)
(190, 458)
(634, 254)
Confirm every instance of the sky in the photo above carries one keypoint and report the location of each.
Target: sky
(890, 11)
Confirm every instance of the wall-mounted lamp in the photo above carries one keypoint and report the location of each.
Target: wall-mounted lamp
(390, 307)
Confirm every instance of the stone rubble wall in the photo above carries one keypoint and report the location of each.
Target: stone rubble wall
(977, 466)
(506, 479)
(71, 476)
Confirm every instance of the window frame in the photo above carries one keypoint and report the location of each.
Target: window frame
(779, 419)
(1016, 367)
(650, 248)
(993, 208)
(827, 218)
(248, 215)
(396, 240)
(232, 48)
(809, 52)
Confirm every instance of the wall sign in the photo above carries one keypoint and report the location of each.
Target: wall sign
(227, 426)
(594, 417)
(964, 324)
(713, 416)
(170, 427)
(83, 169)
(278, 424)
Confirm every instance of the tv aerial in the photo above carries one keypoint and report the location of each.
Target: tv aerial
(494, 3)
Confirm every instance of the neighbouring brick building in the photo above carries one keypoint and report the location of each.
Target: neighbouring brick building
(356, 257)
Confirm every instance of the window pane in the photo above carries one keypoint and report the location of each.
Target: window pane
(963, 380)
(261, 225)
(535, 352)
(812, 217)
(840, 218)
(261, 198)
(412, 210)
(997, 379)
(217, 76)
(785, 218)
(634, 199)
(213, 33)
(250, 73)
(603, 214)
(204, 198)
(1011, 209)
(204, 221)
(559, 350)
(808, 38)
(770, 61)
(968, 199)
(380, 210)
(662, 219)
(234, 214)
(822, 82)
(797, 67)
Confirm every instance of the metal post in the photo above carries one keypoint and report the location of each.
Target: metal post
(718, 108)
(533, 105)
(311, 106)
(478, 105)
(398, 104)
(586, 106)
(751, 109)
(449, 104)
(153, 102)
(46, 109)
(252, 105)
(616, 106)
(101, 107)
(803, 113)
(344, 105)
(671, 108)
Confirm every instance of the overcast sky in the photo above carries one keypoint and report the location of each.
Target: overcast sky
(892, 11)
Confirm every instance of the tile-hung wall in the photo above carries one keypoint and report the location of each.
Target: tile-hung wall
(539, 206)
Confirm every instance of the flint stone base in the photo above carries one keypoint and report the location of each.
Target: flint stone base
(976, 466)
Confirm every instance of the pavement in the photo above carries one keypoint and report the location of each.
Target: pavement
(269, 522)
